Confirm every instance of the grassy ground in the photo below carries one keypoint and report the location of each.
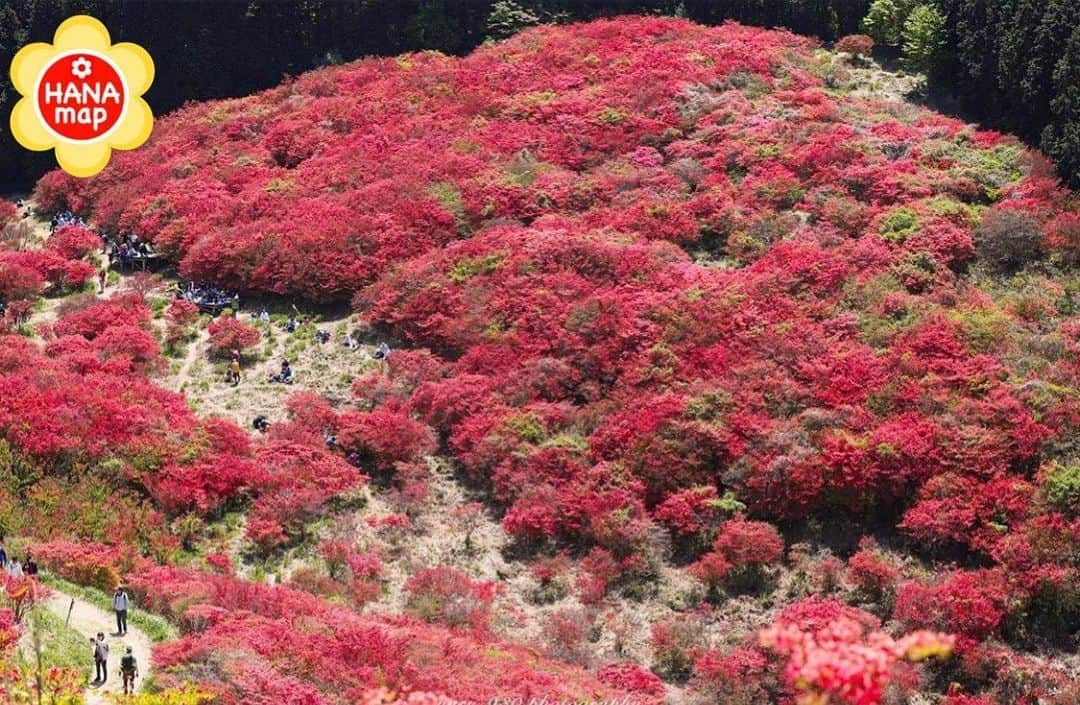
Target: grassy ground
(61, 646)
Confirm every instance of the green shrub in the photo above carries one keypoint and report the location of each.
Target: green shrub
(899, 225)
(924, 38)
(1062, 487)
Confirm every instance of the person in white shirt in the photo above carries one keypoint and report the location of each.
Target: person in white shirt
(120, 603)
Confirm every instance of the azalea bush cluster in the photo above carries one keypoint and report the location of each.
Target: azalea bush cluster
(285, 645)
(28, 271)
(92, 448)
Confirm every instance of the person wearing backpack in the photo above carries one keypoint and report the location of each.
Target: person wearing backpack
(129, 671)
(120, 603)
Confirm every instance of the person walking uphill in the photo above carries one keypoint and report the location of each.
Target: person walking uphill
(101, 658)
(129, 671)
(120, 603)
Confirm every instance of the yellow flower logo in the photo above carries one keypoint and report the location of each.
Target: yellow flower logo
(82, 95)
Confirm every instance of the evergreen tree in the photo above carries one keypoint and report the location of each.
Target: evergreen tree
(1061, 139)
(924, 38)
(885, 21)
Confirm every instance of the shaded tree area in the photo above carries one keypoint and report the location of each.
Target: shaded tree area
(1013, 65)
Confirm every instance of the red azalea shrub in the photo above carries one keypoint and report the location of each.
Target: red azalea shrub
(691, 515)
(8, 213)
(87, 564)
(568, 633)
(228, 333)
(632, 678)
(872, 574)
(858, 45)
(91, 317)
(841, 653)
(73, 242)
(447, 596)
(677, 643)
(18, 281)
(740, 553)
(738, 677)
(970, 604)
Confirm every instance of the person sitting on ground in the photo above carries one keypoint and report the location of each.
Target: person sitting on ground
(291, 325)
(382, 352)
(350, 343)
(264, 316)
(331, 439)
(260, 423)
(322, 336)
(129, 671)
(283, 377)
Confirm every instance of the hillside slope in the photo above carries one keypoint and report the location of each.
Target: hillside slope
(684, 305)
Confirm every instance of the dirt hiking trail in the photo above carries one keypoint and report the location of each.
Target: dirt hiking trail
(87, 619)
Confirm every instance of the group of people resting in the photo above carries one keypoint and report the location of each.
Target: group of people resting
(128, 249)
(208, 297)
(64, 219)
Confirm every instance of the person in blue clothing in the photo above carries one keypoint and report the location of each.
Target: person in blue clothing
(3, 554)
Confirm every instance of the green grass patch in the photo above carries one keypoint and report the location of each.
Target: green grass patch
(61, 646)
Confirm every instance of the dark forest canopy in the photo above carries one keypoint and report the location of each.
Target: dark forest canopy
(1012, 64)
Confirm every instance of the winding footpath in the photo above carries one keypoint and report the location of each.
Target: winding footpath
(88, 619)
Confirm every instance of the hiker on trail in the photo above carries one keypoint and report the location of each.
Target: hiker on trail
(30, 567)
(129, 671)
(103, 275)
(15, 568)
(260, 423)
(233, 375)
(101, 658)
(120, 602)
(3, 555)
(264, 316)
